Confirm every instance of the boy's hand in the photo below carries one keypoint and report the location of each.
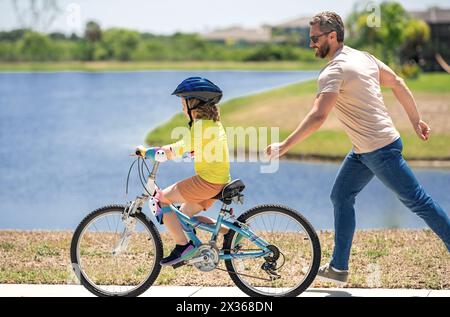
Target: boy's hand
(169, 152)
(187, 156)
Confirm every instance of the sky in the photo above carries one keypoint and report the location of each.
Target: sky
(170, 16)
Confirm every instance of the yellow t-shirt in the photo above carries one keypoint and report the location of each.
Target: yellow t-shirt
(208, 140)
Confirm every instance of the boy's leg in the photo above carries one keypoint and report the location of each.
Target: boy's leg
(172, 195)
(191, 209)
(175, 229)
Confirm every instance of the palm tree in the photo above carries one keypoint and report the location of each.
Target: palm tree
(93, 33)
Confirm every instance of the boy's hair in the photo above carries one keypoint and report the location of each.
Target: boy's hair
(207, 112)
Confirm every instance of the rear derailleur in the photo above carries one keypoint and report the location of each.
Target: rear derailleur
(270, 266)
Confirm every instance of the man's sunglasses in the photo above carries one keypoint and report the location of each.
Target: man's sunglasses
(315, 38)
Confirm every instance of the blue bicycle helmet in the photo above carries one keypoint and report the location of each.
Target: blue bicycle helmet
(199, 88)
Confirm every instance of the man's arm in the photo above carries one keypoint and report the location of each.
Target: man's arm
(389, 79)
(323, 104)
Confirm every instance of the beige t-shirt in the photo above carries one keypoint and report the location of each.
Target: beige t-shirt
(355, 75)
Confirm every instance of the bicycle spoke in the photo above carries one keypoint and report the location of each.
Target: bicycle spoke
(126, 268)
(287, 234)
(108, 223)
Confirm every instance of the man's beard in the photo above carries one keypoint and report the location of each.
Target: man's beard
(323, 51)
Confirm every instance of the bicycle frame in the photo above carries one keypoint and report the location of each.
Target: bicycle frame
(189, 224)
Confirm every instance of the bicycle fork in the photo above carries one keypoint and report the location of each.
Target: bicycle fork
(128, 231)
(130, 225)
(132, 208)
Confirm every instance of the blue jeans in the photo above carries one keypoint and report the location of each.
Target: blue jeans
(389, 166)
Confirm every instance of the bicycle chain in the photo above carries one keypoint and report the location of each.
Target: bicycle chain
(242, 274)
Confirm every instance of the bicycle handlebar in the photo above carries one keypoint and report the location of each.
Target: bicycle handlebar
(157, 154)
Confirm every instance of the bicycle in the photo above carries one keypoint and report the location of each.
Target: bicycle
(116, 249)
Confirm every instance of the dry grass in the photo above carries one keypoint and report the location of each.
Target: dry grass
(380, 258)
(289, 111)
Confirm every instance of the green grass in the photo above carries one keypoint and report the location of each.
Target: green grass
(46, 250)
(325, 143)
(6, 246)
(430, 82)
(155, 65)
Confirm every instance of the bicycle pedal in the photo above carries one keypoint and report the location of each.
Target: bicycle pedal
(177, 265)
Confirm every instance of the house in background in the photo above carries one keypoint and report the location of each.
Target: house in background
(239, 36)
(439, 21)
(296, 31)
(292, 31)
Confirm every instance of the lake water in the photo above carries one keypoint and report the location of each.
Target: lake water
(65, 139)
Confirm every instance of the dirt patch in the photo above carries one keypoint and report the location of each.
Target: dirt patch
(288, 112)
(434, 108)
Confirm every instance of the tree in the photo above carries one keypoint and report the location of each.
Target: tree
(13, 35)
(93, 32)
(417, 34)
(120, 43)
(91, 46)
(397, 31)
(57, 36)
(35, 46)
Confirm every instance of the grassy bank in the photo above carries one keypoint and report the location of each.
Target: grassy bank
(285, 107)
(380, 258)
(163, 65)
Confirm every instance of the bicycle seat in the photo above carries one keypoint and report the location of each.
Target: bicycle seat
(231, 192)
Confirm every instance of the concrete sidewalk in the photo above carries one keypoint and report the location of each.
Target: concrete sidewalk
(27, 290)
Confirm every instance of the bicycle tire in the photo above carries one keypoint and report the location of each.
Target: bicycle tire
(309, 230)
(154, 233)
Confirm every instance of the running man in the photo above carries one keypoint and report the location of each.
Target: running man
(351, 85)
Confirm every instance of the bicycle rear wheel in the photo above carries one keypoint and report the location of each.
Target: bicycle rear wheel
(298, 248)
(111, 263)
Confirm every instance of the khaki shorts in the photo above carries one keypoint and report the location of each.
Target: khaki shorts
(196, 190)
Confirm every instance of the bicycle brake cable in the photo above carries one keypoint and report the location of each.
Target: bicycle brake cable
(148, 170)
(128, 178)
(141, 176)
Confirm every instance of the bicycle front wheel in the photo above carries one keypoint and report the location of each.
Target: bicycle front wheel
(294, 262)
(112, 257)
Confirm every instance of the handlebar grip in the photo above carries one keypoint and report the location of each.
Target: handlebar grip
(156, 154)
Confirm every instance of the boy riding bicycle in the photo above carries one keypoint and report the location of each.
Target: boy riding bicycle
(208, 140)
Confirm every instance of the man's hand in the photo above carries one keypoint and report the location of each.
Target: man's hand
(275, 150)
(423, 130)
